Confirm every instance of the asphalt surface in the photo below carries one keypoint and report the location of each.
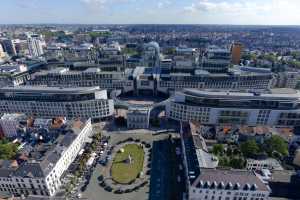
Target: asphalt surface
(164, 184)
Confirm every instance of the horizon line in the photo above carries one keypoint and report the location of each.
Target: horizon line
(172, 24)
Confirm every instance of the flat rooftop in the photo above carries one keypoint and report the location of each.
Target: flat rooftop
(281, 94)
(55, 90)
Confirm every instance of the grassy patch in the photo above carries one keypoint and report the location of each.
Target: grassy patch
(125, 172)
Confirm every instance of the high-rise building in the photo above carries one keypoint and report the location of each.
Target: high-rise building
(151, 55)
(236, 53)
(2, 53)
(215, 60)
(35, 45)
(21, 46)
(8, 46)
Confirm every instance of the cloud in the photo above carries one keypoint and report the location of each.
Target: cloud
(94, 5)
(100, 3)
(228, 7)
(253, 12)
(163, 4)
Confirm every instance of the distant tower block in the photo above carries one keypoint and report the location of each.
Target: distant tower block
(236, 53)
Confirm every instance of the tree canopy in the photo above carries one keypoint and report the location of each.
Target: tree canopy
(7, 150)
(218, 149)
(276, 144)
(249, 148)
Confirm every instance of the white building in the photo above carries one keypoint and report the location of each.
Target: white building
(13, 68)
(2, 53)
(35, 45)
(43, 176)
(185, 59)
(138, 118)
(10, 123)
(63, 77)
(49, 102)
(13, 74)
(273, 108)
(287, 79)
(144, 80)
(217, 184)
(235, 78)
(151, 56)
(204, 182)
(270, 164)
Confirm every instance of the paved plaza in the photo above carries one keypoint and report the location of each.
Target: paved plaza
(95, 192)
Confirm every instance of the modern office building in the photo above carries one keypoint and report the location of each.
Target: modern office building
(49, 102)
(8, 46)
(42, 164)
(10, 123)
(35, 45)
(63, 77)
(236, 53)
(215, 60)
(2, 53)
(277, 107)
(236, 78)
(185, 59)
(144, 80)
(151, 56)
(287, 79)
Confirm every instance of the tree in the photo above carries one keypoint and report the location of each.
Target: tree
(249, 148)
(237, 163)
(295, 64)
(7, 150)
(296, 54)
(276, 144)
(218, 149)
(224, 161)
(249, 56)
(130, 51)
(97, 136)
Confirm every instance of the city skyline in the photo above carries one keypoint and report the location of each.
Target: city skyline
(266, 12)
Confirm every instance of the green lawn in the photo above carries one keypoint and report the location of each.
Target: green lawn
(124, 172)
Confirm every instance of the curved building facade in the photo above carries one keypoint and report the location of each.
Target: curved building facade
(87, 102)
(276, 107)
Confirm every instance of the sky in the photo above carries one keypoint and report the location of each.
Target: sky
(248, 12)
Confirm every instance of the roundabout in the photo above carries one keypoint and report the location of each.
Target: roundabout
(127, 164)
(128, 170)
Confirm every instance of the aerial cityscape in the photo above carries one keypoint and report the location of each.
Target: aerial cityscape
(105, 100)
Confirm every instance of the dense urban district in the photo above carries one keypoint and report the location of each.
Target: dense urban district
(158, 112)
